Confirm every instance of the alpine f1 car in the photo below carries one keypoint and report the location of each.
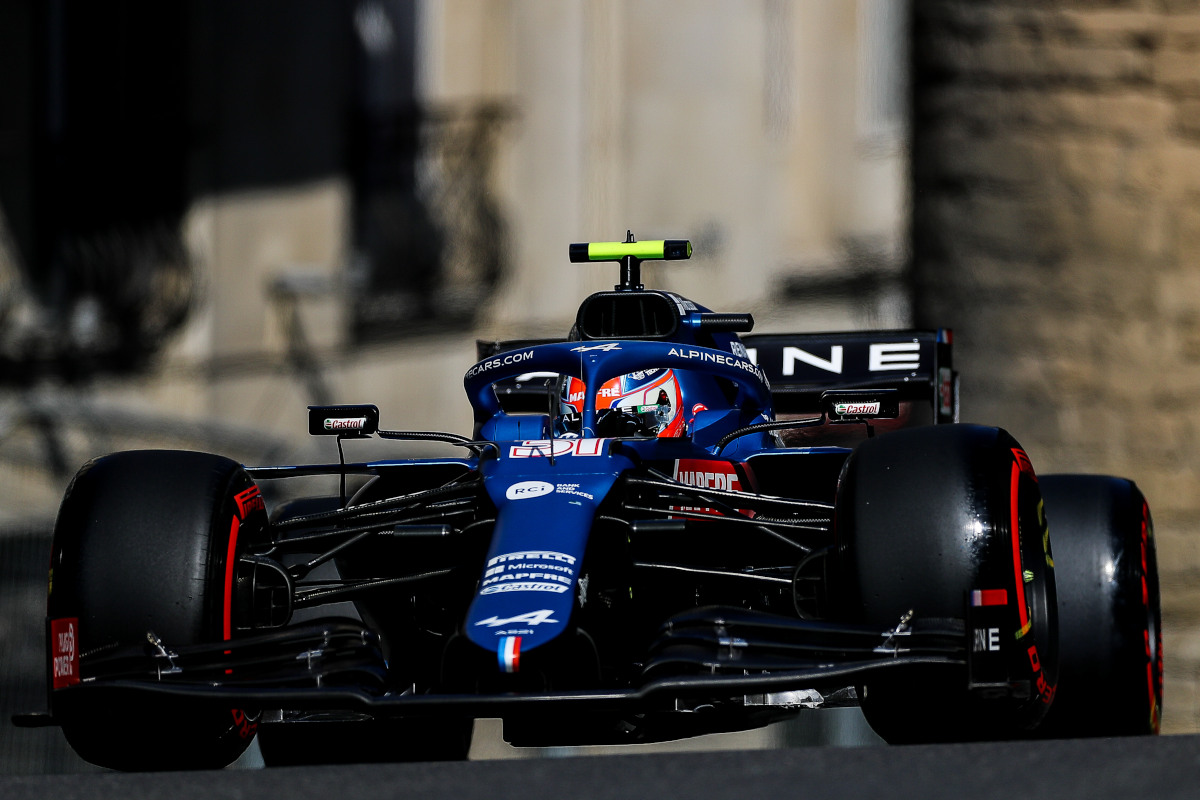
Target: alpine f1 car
(656, 529)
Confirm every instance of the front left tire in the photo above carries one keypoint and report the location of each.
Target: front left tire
(924, 518)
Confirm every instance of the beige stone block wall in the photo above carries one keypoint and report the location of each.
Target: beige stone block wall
(1057, 228)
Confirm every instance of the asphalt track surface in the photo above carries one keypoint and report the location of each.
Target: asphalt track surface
(1164, 767)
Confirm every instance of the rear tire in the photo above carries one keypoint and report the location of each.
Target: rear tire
(1110, 641)
(142, 543)
(924, 517)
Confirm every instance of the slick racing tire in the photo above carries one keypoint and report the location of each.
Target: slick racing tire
(145, 541)
(1110, 641)
(924, 519)
(365, 741)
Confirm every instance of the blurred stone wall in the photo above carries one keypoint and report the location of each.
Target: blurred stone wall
(1056, 227)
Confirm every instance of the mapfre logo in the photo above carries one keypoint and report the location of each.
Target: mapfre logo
(706, 474)
(527, 489)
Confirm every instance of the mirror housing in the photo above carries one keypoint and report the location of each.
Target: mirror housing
(350, 421)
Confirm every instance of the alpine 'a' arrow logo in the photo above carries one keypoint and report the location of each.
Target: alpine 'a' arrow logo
(608, 348)
(532, 618)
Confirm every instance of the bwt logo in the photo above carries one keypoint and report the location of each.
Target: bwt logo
(346, 424)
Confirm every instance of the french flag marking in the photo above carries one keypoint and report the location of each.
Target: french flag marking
(509, 654)
(989, 597)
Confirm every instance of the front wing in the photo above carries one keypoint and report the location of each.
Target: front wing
(724, 656)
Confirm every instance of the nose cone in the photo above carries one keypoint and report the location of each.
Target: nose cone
(527, 590)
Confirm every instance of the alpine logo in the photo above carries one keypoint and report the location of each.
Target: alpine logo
(608, 348)
(714, 357)
(529, 618)
(527, 489)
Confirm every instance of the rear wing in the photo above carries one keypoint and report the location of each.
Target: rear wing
(802, 366)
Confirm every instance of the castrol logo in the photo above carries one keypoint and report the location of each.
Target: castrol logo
(345, 423)
(856, 409)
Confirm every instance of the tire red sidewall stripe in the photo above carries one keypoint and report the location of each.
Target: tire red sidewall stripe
(227, 616)
(1153, 648)
(1018, 573)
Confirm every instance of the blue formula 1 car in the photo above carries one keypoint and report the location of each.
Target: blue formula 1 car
(657, 529)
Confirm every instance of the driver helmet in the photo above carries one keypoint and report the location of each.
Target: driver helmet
(653, 395)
